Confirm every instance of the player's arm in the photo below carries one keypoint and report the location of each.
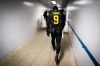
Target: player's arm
(48, 23)
(45, 13)
(64, 18)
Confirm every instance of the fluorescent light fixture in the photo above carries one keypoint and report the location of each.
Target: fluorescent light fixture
(28, 3)
(82, 2)
(54, 2)
(72, 8)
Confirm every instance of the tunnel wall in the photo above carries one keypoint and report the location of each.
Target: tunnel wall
(17, 23)
(86, 22)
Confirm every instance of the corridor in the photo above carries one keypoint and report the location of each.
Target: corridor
(24, 41)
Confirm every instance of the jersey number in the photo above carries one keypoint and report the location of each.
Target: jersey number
(56, 19)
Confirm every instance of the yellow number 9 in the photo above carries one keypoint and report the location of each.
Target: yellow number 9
(56, 19)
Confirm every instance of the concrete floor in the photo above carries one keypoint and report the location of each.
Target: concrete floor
(38, 52)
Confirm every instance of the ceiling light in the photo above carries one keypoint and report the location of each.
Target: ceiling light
(54, 2)
(58, 5)
(82, 2)
(72, 8)
(28, 3)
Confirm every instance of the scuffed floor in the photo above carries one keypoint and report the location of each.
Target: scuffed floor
(39, 52)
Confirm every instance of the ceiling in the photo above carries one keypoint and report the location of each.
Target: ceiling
(62, 3)
(48, 3)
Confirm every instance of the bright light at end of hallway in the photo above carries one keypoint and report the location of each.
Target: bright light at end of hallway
(82, 2)
(28, 3)
(58, 5)
(54, 2)
(72, 8)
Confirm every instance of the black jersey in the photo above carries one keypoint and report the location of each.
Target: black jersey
(56, 19)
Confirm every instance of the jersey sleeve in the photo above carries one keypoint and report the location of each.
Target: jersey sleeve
(64, 18)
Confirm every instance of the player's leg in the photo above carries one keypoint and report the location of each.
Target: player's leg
(53, 40)
(58, 41)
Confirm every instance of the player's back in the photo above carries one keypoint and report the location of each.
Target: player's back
(56, 19)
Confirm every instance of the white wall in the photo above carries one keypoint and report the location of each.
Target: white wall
(86, 23)
(17, 24)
